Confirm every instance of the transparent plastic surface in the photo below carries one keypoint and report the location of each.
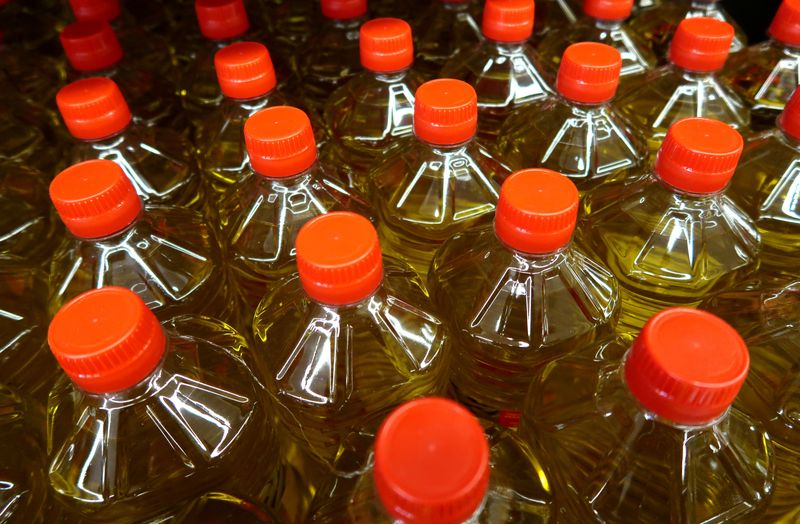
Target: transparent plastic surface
(34, 75)
(588, 143)
(609, 459)
(767, 187)
(765, 76)
(519, 490)
(192, 425)
(440, 32)
(29, 230)
(506, 77)
(510, 313)
(666, 247)
(668, 94)
(425, 194)
(290, 24)
(552, 16)
(168, 256)
(217, 507)
(25, 130)
(364, 118)
(338, 371)
(261, 217)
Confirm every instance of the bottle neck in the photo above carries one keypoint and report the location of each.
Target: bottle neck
(507, 48)
(696, 76)
(608, 25)
(445, 149)
(118, 236)
(288, 181)
(393, 77)
(253, 104)
(704, 4)
(109, 141)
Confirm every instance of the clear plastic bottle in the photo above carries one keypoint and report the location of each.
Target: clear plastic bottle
(553, 15)
(168, 255)
(604, 22)
(290, 24)
(674, 237)
(518, 294)
(646, 430)
(371, 112)
(150, 416)
(503, 68)
(330, 57)
(34, 75)
(438, 182)
(282, 189)
(436, 463)
(443, 29)
(765, 74)
(346, 341)
(158, 161)
(658, 25)
(580, 134)
(26, 130)
(689, 86)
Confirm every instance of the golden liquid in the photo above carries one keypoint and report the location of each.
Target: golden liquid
(511, 314)
(440, 32)
(609, 459)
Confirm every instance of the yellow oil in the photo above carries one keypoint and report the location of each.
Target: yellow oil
(441, 31)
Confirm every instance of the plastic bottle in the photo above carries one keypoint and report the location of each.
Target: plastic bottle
(689, 86)
(370, 113)
(168, 255)
(765, 74)
(518, 294)
(580, 134)
(34, 75)
(159, 162)
(346, 341)
(658, 25)
(436, 463)
(330, 57)
(26, 130)
(92, 49)
(282, 189)
(674, 237)
(504, 69)
(604, 22)
(438, 182)
(290, 24)
(443, 29)
(148, 415)
(553, 15)
(646, 430)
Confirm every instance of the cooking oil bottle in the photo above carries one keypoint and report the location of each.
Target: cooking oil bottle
(27, 131)
(372, 111)
(284, 187)
(554, 15)
(689, 86)
(290, 24)
(92, 49)
(443, 29)
(434, 462)
(503, 68)
(330, 57)
(518, 294)
(580, 133)
(765, 74)
(159, 162)
(168, 255)
(646, 430)
(347, 340)
(150, 416)
(658, 25)
(439, 181)
(674, 237)
(604, 22)
(767, 187)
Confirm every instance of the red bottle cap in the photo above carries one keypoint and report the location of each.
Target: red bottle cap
(785, 26)
(699, 155)
(95, 199)
(102, 10)
(687, 366)
(537, 211)
(106, 340)
(280, 142)
(343, 9)
(386, 45)
(339, 258)
(701, 44)
(589, 73)
(508, 20)
(789, 121)
(93, 108)
(90, 45)
(445, 112)
(244, 70)
(431, 462)
(608, 9)
(221, 19)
